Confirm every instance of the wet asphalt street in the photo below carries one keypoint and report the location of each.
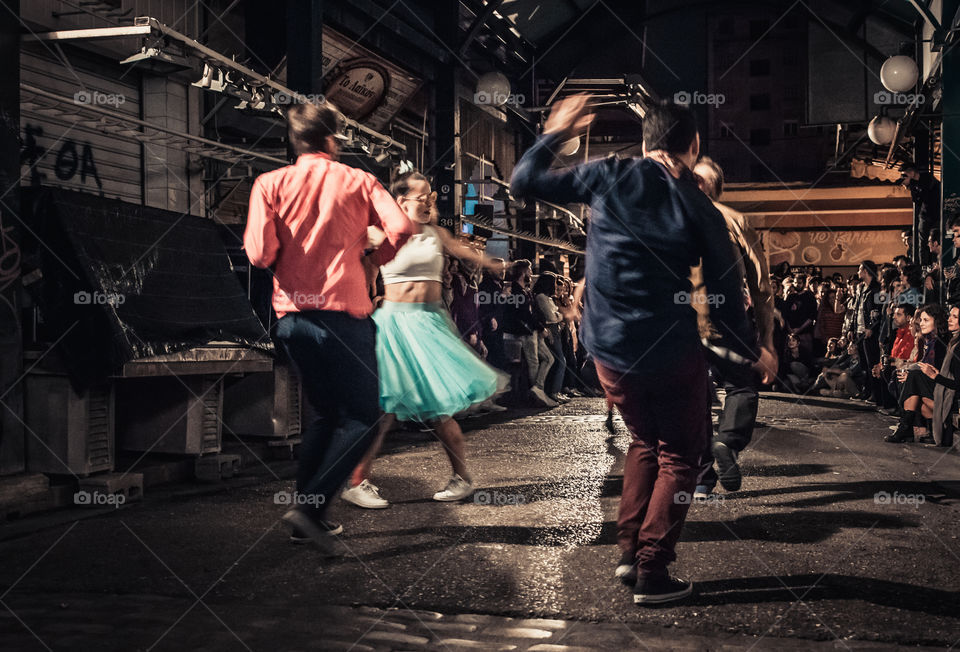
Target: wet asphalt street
(835, 536)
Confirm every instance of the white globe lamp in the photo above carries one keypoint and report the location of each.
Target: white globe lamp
(493, 88)
(881, 130)
(899, 74)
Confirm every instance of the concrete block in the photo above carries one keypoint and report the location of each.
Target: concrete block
(109, 489)
(213, 468)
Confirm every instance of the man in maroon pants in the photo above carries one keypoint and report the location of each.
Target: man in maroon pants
(649, 224)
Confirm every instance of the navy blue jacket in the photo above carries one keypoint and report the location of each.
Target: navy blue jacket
(646, 231)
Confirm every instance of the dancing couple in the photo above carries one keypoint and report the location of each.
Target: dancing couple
(311, 224)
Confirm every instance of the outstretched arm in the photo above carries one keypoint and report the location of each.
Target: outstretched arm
(457, 250)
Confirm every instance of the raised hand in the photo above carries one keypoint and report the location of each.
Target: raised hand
(569, 116)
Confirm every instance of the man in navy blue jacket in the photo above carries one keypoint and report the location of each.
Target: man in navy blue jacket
(649, 223)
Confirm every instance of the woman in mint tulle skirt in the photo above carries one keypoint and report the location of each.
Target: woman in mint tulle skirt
(427, 373)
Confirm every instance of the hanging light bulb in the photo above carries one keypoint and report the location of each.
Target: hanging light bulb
(899, 74)
(881, 130)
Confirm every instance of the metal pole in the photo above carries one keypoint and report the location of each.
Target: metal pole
(12, 449)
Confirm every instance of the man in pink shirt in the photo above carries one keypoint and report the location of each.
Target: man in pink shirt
(308, 223)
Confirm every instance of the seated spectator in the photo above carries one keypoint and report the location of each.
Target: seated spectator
(897, 355)
(917, 393)
(841, 370)
(797, 377)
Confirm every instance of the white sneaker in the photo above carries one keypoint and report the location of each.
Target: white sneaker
(364, 495)
(457, 489)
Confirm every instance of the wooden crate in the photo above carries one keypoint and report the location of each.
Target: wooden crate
(72, 434)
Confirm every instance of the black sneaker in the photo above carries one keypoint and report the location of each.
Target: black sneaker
(727, 468)
(657, 589)
(312, 529)
(626, 570)
(299, 536)
(927, 439)
(901, 434)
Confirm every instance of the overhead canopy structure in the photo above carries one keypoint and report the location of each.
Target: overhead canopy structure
(166, 46)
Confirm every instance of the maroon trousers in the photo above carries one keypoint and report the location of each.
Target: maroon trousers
(663, 409)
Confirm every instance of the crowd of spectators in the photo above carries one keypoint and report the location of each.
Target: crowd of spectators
(882, 336)
(519, 325)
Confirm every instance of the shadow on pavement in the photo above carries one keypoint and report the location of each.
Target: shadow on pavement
(881, 492)
(796, 527)
(811, 587)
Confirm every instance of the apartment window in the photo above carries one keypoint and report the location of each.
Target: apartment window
(760, 67)
(758, 28)
(760, 102)
(759, 137)
(791, 128)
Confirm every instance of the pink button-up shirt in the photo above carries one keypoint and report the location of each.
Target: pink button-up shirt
(309, 220)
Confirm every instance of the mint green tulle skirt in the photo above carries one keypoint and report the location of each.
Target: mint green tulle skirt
(426, 370)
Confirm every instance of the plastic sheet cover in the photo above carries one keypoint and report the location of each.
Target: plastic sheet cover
(123, 281)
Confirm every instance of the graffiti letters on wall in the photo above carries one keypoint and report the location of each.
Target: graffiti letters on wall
(70, 160)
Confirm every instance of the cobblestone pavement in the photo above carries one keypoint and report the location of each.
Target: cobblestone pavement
(837, 540)
(141, 622)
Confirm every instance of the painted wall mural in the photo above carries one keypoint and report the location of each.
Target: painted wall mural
(831, 248)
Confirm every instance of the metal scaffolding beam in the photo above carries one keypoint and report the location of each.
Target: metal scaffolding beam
(125, 126)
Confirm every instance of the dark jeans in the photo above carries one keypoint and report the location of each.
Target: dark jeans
(335, 357)
(554, 381)
(664, 410)
(493, 340)
(739, 415)
(869, 349)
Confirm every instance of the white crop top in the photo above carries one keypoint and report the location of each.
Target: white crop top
(420, 259)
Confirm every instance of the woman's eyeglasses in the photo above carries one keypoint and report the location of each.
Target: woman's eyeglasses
(431, 198)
